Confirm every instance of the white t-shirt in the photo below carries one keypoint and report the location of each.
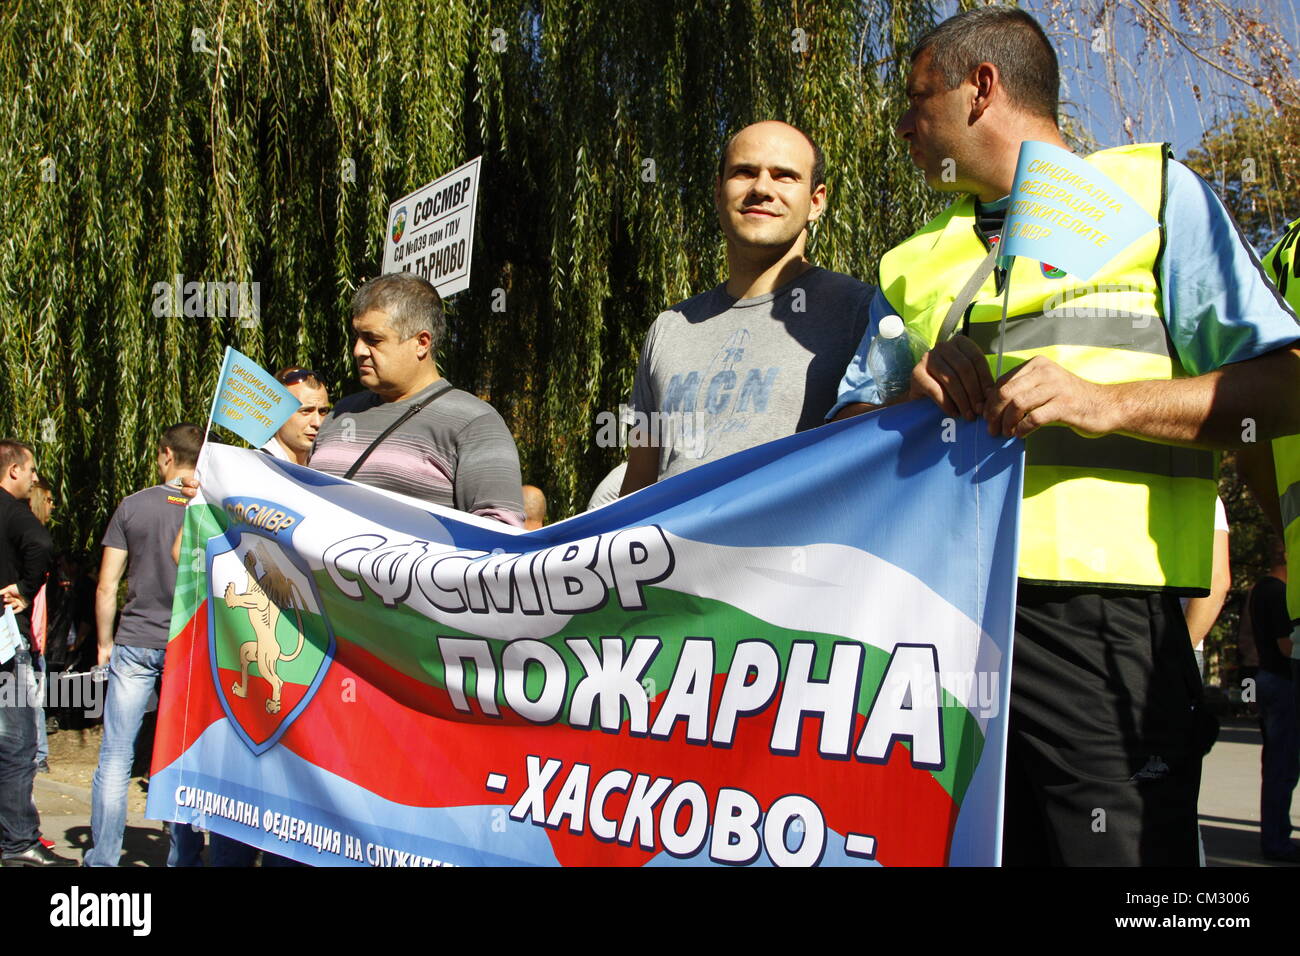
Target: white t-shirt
(1220, 524)
(276, 450)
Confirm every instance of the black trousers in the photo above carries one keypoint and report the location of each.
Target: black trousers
(1106, 731)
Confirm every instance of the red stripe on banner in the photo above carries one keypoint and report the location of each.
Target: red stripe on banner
(188, 704)
(357, 728)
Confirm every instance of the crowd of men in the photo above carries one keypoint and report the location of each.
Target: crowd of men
(1121, 411)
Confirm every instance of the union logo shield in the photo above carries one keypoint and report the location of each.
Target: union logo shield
(269, 641)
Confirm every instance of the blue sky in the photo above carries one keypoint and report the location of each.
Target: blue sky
(1156, 92)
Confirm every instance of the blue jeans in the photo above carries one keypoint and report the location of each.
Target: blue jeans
(38, 688)
(1279, 762)
(19, 821)
(133, 673)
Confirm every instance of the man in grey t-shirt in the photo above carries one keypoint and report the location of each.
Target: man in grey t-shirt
(140, 535)
(760, 356)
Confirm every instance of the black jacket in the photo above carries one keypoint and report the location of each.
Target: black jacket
(25, 553)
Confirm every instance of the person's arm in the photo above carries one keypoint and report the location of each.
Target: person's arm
(34, 552)
(487, 480)
(13, 599)
(643, 452)
(1233, 336)
(1256, 467)
(1202, 612)
(111, 568)
(857, 391)
(1247, 401)
(854, 408)
(642, 464)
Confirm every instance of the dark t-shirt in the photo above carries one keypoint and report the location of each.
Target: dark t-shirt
(719, 375)
(1270, 621)
(144, 526)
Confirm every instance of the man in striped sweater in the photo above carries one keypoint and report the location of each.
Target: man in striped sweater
(424, 438)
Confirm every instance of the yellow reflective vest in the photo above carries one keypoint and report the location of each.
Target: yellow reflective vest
(1110, 511)
(1282, 267)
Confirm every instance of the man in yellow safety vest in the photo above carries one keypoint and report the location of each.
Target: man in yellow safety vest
(1283, 508)
(1121, 387)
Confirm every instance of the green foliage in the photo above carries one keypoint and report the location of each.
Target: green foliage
(1253, 161)
(210, 140)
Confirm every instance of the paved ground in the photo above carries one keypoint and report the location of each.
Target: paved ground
(63, 798)
(1230, 798)
(1229, 801)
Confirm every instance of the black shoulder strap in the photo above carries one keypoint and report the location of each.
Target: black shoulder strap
(406, 416)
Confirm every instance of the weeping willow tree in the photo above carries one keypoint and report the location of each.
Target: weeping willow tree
(249, 142)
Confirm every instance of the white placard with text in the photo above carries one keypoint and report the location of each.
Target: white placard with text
(431, 231)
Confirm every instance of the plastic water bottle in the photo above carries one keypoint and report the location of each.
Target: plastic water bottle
(889, 359)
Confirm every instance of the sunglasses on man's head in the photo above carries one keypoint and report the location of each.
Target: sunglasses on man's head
(292, 376)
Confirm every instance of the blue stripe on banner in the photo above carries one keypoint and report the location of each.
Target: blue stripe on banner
(422, 830)
(436, 832)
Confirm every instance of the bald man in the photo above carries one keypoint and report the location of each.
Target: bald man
(760, 356)
(534, 507)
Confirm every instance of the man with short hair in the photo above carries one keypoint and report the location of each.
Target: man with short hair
(25, 554)
(456, 452)
(1181, 340)
(296, 436)
(758, 357)
(140, 535)
(411, 432)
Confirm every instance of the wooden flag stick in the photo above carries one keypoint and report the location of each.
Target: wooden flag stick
(212, 411)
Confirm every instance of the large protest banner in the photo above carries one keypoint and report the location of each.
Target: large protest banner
(794, 655)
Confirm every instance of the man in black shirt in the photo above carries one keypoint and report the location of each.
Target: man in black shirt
(25, 553)
(1280, 761)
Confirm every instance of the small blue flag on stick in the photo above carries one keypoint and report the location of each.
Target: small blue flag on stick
(249, 401)
(1066, 212)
